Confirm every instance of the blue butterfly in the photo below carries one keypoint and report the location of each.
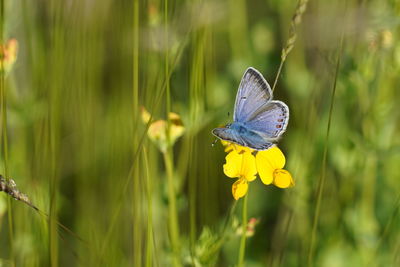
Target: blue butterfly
(258, 121)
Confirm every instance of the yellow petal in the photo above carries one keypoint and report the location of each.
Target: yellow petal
(229, 148)
(144, 114)
(242, 149)
(267, 162)
(175, 119)
(283, 178)
(239, 188)
(249, 168)
(176, 131)
(273, 156)
(240, 165)
(225, 143)
(12, 46)
(157, 130)
(8, 54)
(233, 164)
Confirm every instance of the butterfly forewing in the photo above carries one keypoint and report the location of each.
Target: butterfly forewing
(253, 94)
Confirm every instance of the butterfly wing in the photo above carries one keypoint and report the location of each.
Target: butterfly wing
(253, 93)
(258, 120)
(247, 139)
(270, 120)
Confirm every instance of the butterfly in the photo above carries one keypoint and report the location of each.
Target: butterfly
(258, 121)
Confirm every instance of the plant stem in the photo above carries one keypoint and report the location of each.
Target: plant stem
(168, 158)
(173, 223)
(278, 74)
(149, 243)
(296, 20)
(242, 248)
(136, 197)
(321, 181)
(5, 137)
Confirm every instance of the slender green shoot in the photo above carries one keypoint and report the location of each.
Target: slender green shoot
(173, 223)
(136, 200)
(4, 133)
(321, 181)
(242, 248)
(149, 192)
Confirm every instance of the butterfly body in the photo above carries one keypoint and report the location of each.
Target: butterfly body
(259, 121)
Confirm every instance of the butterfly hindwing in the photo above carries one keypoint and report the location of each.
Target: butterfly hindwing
(253, 93)
(270, 121)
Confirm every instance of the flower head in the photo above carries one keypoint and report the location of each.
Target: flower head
(157, 131)
(250, 228)
(242, 164)
(8, 54)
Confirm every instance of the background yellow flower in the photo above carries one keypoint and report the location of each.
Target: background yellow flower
(157, 131)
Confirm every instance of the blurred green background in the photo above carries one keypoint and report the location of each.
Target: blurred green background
(77, 146)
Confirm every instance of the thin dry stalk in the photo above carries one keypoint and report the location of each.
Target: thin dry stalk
(296, 20)
(10, 187)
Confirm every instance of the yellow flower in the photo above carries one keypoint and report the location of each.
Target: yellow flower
(157, 131)
(8, 54)
(270, 165)
(243, 166)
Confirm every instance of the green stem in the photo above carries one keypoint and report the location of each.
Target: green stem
(149, 247)
(5, 137)
(173, 223)
(321, 182)
(192, 200)
(168, 88)
(136, 198)
(242, 248)
(135, 55)
(5, 158)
